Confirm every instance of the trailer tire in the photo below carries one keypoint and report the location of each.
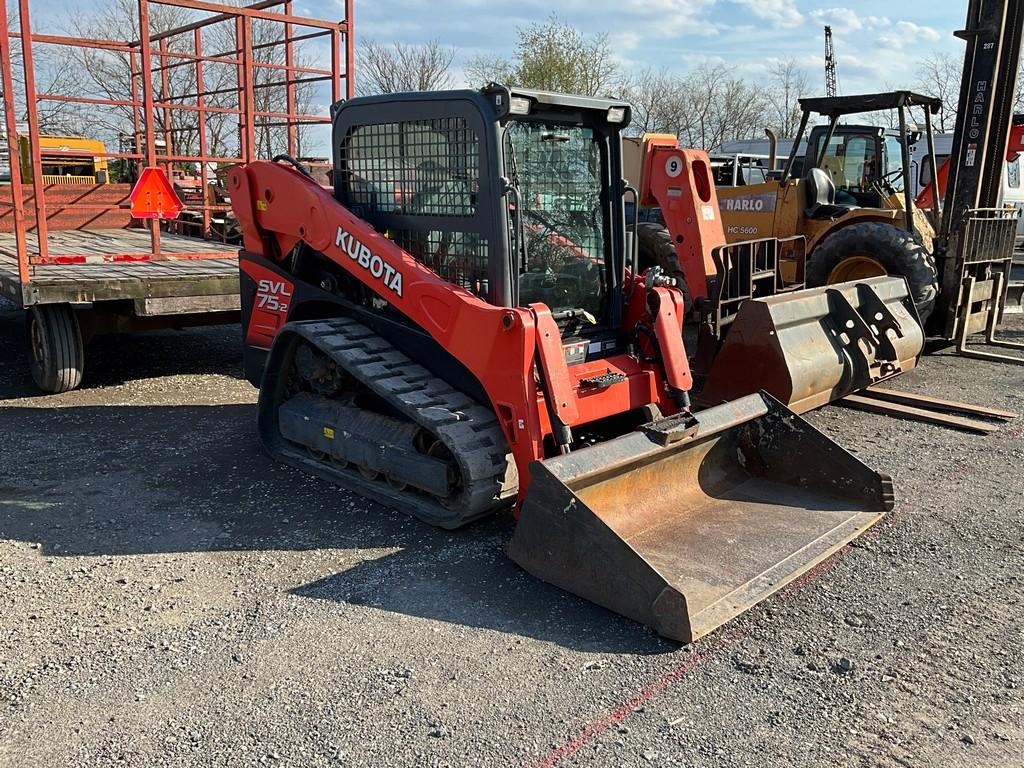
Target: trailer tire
(56, 351)
(655, 249)
(895, 250)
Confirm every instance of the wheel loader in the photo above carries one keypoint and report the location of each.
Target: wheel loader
(847, 196)
(459, 327)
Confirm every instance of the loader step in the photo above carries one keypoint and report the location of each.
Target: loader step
(602, 382)
(672, 429)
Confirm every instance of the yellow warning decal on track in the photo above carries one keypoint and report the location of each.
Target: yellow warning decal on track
(329, 432)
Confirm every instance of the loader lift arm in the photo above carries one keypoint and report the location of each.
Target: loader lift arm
(499, 345)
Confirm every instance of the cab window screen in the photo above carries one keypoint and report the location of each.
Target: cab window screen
(418, 181)
(414, 168)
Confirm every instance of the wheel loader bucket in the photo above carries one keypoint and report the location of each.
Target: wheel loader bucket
(684, 526)
(810, 347)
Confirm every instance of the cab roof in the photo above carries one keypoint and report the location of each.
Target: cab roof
(837, 106)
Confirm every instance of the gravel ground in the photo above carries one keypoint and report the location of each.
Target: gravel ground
(170, 596)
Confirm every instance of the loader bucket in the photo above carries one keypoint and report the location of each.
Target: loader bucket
(684, 534)
(810, 347)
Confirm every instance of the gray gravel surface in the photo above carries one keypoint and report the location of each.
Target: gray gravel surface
(170, 596)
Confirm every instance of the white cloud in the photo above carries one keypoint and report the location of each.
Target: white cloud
(781, 13)
(905, 34)
(878, 42)
(840, 19)
(649, 18)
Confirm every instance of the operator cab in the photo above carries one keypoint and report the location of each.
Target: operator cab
(515, 195)
(864, 162)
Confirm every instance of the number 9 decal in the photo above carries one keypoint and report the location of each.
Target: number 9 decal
(673, 167)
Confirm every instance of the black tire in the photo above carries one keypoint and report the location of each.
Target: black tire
(898, 251)
(655, 249)
(56, 352)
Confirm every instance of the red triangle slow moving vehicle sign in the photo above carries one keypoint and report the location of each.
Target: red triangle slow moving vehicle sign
(153, 196)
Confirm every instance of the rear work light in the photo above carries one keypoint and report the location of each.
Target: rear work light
(616, 114)
(519, 105)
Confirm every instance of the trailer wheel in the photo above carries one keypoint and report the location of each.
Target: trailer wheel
(55, 347)
(874, 248)
(656, 250)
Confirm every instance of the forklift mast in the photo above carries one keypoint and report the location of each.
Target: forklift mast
(987, 90)
(975, 242)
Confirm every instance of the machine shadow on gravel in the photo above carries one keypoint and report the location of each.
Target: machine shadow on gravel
(117, 359)
(466, 579)
(112, 481)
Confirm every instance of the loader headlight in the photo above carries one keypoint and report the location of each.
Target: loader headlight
(519, 105)
(616, 114)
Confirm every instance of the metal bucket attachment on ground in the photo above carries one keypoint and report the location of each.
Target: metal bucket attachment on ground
(683, 529)
(810, 347)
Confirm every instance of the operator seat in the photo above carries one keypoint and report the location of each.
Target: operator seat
(821, 196)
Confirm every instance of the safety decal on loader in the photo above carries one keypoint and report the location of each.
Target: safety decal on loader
(369, 261)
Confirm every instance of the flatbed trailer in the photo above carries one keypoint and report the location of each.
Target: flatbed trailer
(177, 286)
(230, 85)
(84, 292)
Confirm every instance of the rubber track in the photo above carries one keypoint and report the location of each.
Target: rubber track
(469, 430)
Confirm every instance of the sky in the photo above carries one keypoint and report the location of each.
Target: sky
(876, 45)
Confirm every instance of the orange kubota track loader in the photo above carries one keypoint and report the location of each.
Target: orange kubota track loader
(455, 329)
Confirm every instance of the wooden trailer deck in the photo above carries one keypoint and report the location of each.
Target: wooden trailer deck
(182, 285)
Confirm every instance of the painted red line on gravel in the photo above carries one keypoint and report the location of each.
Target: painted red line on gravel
(631, 705)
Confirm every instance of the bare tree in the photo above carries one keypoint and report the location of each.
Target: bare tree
(270, 94)
(398, 67)
(658, 102)
(553, 56)
(721, 107)
(54, 73)
(704, 108)
(741, 108)
(938, 74)
(787, 82)
(489, 68)
(108, 74)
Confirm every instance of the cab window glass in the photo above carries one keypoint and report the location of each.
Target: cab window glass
(893, 170)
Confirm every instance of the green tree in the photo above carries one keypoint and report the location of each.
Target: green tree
(552, 56)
